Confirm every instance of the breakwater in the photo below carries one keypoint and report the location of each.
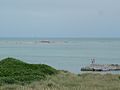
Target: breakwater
(101, 67)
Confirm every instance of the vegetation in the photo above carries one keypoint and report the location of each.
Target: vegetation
(15, 71)
(44, 77)
(69, 81)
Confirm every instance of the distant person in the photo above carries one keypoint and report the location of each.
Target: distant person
(93, 61)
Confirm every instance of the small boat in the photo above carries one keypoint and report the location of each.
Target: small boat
(45, 41)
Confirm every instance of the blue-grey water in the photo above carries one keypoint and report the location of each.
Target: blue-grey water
(65, 53)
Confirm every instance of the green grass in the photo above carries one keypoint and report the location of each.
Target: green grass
(15, 71)
(70, 81)
(44, 77)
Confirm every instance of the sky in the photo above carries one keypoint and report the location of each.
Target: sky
(59, 18)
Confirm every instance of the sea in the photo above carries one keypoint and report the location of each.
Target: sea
(62, 53)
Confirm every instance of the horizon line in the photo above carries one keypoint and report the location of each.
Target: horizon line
(59, 37)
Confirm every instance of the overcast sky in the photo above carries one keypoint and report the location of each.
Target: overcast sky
(59, 18)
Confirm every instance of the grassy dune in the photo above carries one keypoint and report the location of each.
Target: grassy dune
(63, 80)
(15, 71)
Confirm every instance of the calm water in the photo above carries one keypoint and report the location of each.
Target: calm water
(68, 53)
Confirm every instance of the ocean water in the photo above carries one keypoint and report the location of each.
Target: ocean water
(62, 53)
